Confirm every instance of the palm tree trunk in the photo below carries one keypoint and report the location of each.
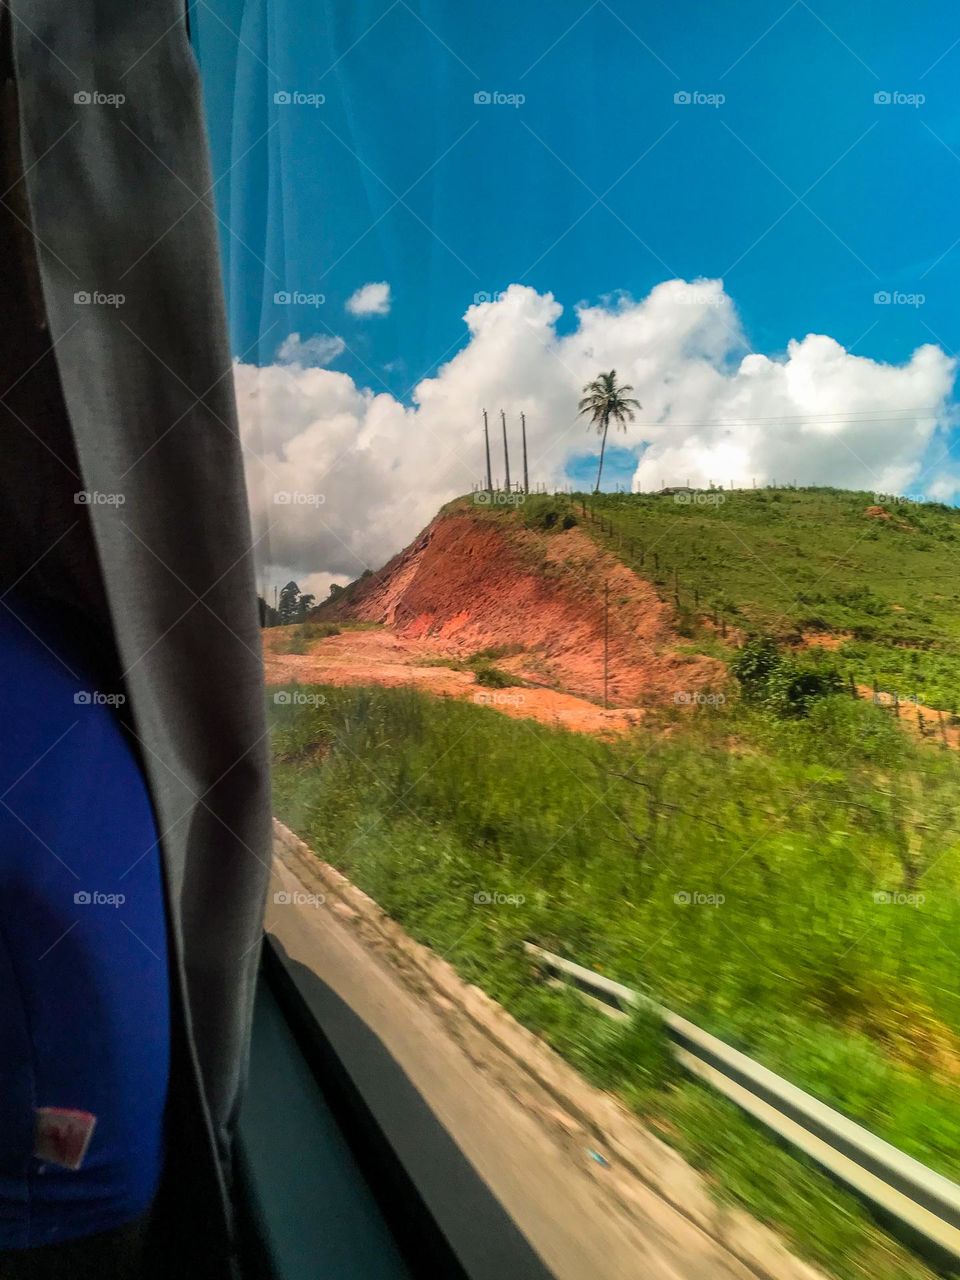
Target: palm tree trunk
(603, 445)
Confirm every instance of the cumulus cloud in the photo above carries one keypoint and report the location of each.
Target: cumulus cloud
(310, 353)
(364, 472)
(370, 300)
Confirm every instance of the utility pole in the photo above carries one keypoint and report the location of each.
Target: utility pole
(506, 451)
(606, 644)
(486, 441)
(523, 430)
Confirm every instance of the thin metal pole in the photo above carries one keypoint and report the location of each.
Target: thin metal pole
(506, 451)
(523, 429)
(486, 441)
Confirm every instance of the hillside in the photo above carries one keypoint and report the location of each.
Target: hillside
(874, 585)
(547, 599)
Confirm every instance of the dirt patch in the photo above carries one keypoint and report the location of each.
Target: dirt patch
(471, 583)
(824, 639)
(881, 513)
(928, 723)
(382, 657)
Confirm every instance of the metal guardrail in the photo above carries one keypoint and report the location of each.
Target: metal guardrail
(922, 1206)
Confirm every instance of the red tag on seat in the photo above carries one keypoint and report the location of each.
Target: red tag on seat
(62, 1136)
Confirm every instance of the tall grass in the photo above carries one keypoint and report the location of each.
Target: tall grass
(791, 886)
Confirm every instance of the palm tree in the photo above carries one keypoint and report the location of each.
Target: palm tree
(606, 403)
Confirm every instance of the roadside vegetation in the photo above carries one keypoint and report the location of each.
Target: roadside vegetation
(786, 874)
(778, 858)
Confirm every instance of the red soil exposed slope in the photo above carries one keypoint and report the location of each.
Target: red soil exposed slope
(471, 582)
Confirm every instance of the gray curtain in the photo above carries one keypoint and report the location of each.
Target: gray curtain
(130, 400)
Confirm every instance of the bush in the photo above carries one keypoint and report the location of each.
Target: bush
(494, 677)
(778, 683)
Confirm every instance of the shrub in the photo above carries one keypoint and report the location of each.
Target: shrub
(494, 677)
(778, 683)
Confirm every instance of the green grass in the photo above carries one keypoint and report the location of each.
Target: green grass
(427, 803)
(299, 637)
(800, 558)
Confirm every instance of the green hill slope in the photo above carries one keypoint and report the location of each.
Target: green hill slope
(878, 583)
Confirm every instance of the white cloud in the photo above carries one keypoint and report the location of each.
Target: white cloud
(370, 300)
(310, 353)
(712, 412)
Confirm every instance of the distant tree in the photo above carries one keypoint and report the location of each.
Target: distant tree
(335, 590)
(606, 402)
(289, 603)
(304, 605)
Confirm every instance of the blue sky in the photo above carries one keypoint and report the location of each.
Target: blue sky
(400, 176)
(806, 156)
